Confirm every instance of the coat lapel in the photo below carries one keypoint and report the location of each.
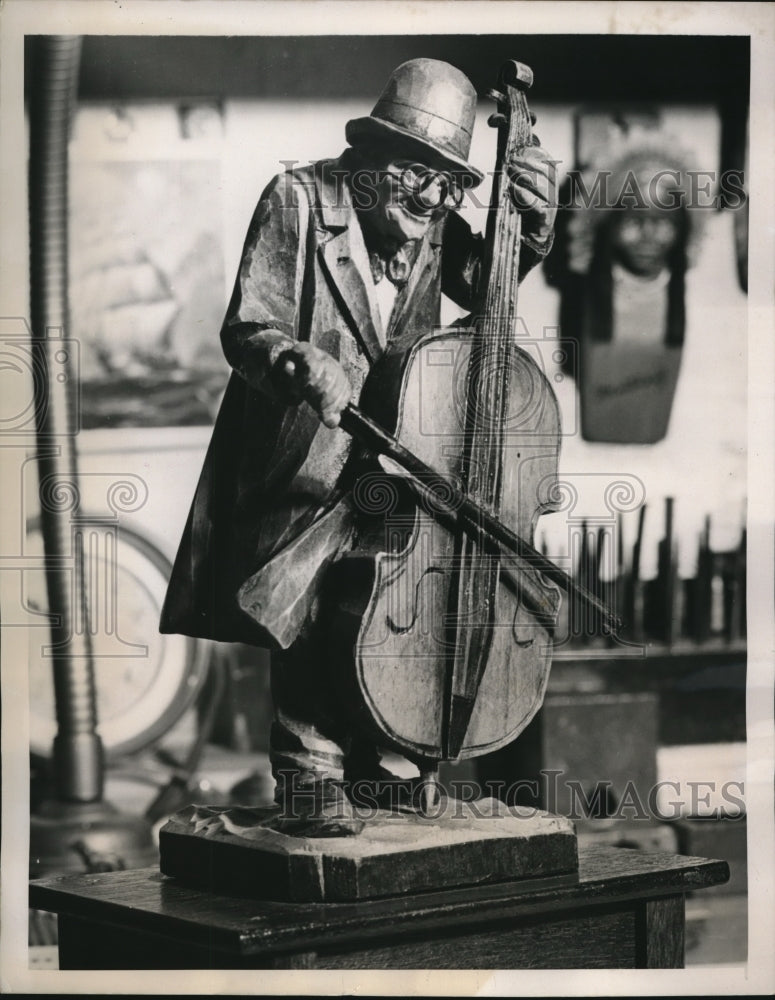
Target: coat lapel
(337, 250)
(337, 257)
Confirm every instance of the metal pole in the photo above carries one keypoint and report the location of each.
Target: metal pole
(77, 754)
(76, 828)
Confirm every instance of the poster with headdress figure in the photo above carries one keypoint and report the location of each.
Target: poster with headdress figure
(629, 232)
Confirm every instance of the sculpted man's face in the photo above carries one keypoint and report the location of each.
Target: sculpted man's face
(401, 194)
(642, 239)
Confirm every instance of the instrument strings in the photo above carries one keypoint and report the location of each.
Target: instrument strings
(498, 328)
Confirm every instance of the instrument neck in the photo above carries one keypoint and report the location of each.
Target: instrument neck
(495, 319)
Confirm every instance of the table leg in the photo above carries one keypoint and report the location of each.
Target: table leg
(662, 937)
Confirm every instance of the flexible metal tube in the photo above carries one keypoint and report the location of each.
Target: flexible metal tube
(77, 754)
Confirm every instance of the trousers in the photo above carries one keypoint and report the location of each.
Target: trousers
(310, 739)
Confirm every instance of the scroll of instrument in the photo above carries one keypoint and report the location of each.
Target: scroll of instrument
(446, 614)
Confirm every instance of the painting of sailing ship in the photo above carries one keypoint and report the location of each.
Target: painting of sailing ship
(147, 287)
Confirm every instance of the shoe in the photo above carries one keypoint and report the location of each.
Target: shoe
(318, 809)
(375, 786)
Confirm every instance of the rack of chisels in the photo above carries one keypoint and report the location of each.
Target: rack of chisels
(665, 610)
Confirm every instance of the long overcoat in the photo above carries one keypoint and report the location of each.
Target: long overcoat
(270, 467)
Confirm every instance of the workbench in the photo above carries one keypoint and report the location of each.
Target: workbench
(623, 909)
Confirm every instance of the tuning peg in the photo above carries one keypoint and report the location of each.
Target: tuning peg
(497, 120)
(496, 95)
(533, 118)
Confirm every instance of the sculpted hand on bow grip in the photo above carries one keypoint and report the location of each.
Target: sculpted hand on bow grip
(305, 372)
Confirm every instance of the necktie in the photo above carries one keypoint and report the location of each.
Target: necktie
(395, 268)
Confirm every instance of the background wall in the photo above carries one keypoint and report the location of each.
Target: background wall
(207, 122)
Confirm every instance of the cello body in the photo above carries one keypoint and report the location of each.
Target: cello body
(439, 654)
(395, 591)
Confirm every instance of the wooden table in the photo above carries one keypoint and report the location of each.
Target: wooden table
(625, 909)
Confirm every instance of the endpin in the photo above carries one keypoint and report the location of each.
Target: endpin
(429, 792)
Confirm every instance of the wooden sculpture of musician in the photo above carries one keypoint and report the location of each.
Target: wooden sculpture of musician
(291, 542)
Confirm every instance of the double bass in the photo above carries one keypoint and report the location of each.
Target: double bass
(443, 617)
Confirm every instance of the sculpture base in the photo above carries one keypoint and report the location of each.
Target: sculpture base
(229, 852)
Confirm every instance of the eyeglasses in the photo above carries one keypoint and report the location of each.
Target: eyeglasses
(430, 189)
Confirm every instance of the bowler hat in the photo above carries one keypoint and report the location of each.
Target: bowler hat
(432, 106)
